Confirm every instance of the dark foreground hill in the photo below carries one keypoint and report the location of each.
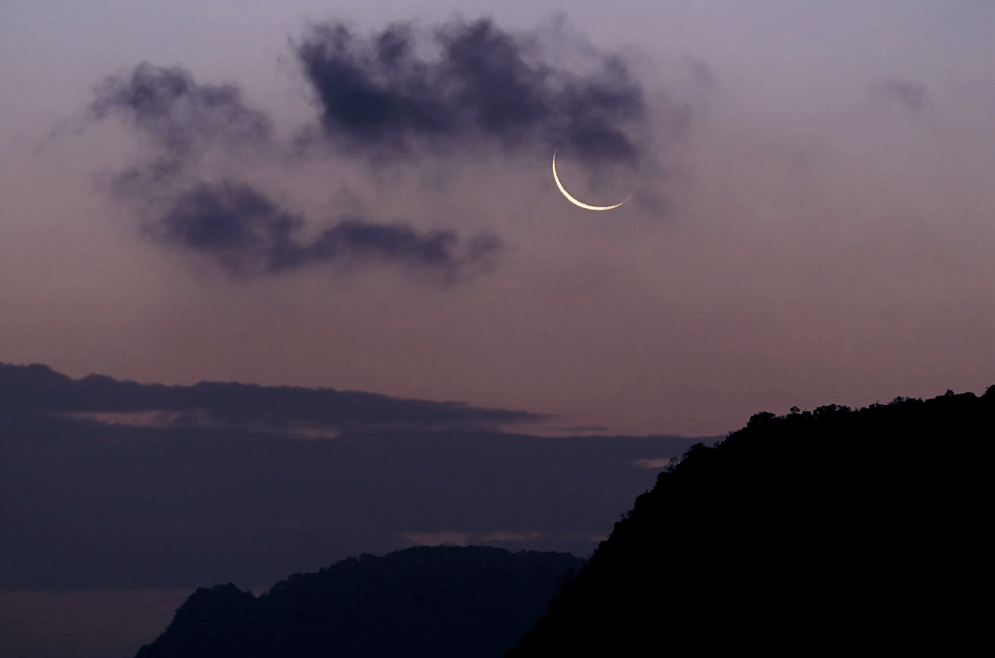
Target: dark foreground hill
(837, 530)
(442, 601)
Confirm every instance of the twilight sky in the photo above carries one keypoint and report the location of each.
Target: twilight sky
(358, 197)
(813, 215)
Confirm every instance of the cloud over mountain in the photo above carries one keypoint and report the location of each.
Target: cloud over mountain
(110, 483)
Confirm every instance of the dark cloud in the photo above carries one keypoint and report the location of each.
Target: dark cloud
(377, 93)
(244, 499)
(132, 507)
(232, 222)
(36, 389)
(178, 113)
(380, 95)
(248, 234)
(910, 93)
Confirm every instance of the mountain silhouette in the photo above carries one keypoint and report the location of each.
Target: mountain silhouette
(438, 601)
(833, 530)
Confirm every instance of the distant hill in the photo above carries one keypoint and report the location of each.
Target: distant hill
(837, 530)
(440, 601)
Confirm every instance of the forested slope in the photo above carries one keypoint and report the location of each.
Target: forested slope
(834, 529)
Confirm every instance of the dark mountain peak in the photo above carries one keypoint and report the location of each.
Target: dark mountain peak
(207, 611)
(422, 601)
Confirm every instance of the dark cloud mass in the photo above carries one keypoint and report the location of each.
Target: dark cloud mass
(378, 93)
(236, 224)
(36, 389)
(241, 497)
(247, 234)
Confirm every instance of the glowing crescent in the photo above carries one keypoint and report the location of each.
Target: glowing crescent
(575, 201)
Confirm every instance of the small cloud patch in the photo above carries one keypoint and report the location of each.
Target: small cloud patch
(444, 538)
(651, 463)
(503, 535)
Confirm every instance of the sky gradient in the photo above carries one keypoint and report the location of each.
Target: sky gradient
(812, 221)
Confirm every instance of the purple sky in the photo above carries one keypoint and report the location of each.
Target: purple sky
(813, 219)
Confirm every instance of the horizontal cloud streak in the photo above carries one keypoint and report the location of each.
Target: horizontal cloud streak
(88, 505)
(38, 389)
(247, 233)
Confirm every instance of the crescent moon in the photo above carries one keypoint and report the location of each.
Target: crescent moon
(574, 201)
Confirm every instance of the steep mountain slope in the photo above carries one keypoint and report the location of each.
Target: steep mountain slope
(441, 601)
(835, 529)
